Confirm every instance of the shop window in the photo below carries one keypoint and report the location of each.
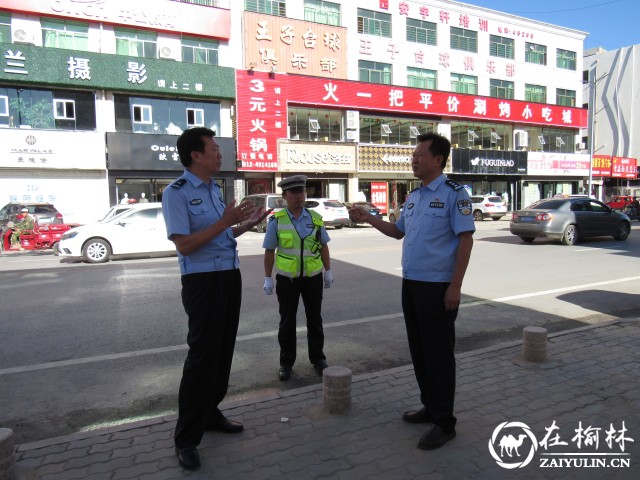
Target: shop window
(142, 114)
(64, 109)
(320, 11)
(195, 117)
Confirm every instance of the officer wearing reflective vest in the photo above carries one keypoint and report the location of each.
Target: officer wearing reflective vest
(296, 244)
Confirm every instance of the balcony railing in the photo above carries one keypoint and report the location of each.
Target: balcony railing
(208, 3)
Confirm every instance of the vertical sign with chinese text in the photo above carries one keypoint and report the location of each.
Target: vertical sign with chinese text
(379, 195)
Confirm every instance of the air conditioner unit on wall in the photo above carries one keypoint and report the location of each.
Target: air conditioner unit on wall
(165, 52)
(352, 120)
(352, 135)
(22, 36)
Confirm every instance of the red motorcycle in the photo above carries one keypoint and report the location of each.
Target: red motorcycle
(41, 237)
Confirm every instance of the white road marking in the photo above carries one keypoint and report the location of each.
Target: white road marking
(274, 333)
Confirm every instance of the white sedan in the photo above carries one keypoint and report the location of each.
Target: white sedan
(140, 230)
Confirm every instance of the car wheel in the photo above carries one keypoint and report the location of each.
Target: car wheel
(477, 215)
(96, 250)
(338, 227)
(527, 239)
(392, 218)
(496, 218)
(570, 236)
(352, 224)
(56, 249)
(623, 231)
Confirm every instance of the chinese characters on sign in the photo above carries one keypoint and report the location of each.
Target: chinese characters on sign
(261, 111)
(379, 195)
(601, 165)
(278, 44)
(622, 167)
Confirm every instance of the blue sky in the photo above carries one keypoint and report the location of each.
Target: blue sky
(611, 23)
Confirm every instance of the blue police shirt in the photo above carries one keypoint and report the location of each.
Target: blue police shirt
(303, 225)
(432, 218)
(189, 205)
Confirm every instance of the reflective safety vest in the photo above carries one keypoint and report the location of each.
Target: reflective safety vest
(296, 257)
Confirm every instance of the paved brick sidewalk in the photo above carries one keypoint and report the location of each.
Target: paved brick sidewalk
(592, 376)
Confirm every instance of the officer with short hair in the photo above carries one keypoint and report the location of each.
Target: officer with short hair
(204, 230)
(437, 226)
(296, 244)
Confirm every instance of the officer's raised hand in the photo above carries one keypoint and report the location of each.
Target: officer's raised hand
(237, 214)
(358, 214)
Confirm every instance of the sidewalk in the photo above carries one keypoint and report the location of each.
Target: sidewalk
(591, 376)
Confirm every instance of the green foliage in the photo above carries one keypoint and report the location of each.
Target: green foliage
(36, 115)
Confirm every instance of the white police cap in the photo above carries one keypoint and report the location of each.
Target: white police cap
(295, 181)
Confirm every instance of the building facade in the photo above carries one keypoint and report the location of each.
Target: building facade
(336, 90)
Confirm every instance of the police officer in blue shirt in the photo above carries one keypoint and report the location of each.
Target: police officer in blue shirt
(204, 230)
(437, 227)
(296, 244)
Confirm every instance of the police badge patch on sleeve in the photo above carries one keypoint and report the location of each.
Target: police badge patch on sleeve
(464, 207)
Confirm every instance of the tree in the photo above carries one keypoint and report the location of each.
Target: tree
(36, 115)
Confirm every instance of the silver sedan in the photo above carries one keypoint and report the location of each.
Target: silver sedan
(569, 220)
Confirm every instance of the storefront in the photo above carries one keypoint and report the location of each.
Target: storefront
(551, 174)
(330, 167)
(66, 169)
(147, 164)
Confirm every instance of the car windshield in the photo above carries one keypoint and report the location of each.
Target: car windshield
(333, 204)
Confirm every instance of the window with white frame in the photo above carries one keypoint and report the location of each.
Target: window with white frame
(463, 39)
(535, 53)
(535, 93)
(565, 97)
(464, 83)
(64, 109)
(195, 117)
(196, 50)
(501, 88)
(420, 31)
(320, 11)
(4, 106)
(422, 78)
(501, 47)
(566, 59)
(65, 34)
(136, 43)
(374, 72)
(374, 23)
(142, 114)
(270, 7)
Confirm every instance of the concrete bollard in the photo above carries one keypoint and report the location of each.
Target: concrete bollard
(336, 383)
(534, 344)
(7, 455)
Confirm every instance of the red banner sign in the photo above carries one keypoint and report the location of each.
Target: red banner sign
(623, 167)
(379, 195)
(601, 165)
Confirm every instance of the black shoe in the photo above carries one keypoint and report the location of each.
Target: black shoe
(417, 416)
(188, 458)
(284, 373)
(319, 366)
(435, 438)
(223, 424)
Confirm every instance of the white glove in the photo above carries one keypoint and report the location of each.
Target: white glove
(328, 279)
(268, 286)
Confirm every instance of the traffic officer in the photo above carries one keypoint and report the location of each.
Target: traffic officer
(437, 227)
(204, 231)
(296, 243)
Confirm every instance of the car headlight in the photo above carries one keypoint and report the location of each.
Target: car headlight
(69, 235)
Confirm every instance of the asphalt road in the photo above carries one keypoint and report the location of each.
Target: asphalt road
(89, 345)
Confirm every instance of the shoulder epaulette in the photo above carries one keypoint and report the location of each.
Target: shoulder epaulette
(179, 183)
(455, 185)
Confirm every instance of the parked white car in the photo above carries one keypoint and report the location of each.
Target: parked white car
(334, 213)
(487, 206)
(139, 230)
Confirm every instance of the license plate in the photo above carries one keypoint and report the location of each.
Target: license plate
(526, 219)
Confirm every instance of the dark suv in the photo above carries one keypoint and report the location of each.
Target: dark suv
(42, 213)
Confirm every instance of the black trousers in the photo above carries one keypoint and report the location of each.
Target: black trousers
(289, 291)
(212, 303)
(432, 338)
